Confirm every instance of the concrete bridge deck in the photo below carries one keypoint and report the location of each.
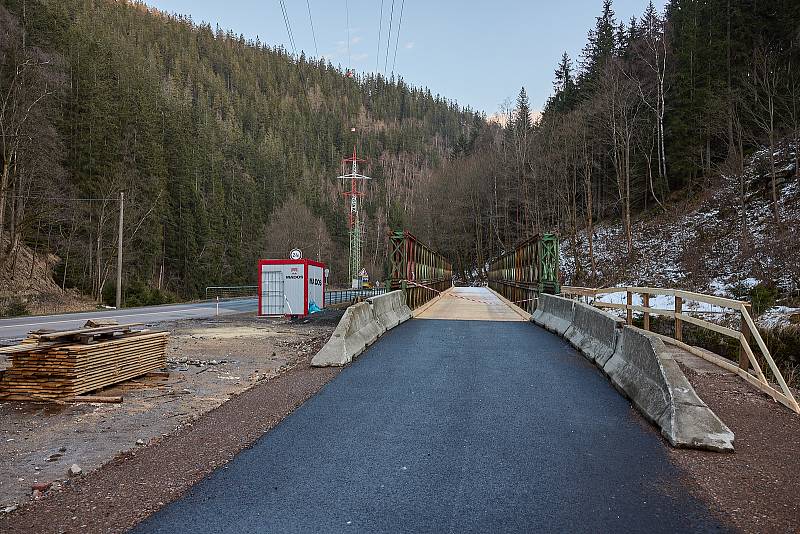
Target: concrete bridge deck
(469, 421)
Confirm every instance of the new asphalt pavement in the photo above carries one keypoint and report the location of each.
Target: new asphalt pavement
(451, 426)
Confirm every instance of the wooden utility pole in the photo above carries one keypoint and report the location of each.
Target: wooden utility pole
(119, 251)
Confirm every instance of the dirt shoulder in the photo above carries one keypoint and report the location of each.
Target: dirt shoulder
(757, 487)
(230, 381)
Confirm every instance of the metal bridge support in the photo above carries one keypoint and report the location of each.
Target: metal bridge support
(531, 268)
(416, 269)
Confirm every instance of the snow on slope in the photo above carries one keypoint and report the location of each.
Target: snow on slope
(696, 244)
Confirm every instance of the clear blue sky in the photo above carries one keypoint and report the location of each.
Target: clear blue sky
(478, 53)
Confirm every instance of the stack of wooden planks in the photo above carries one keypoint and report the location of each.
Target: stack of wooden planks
(63, 365)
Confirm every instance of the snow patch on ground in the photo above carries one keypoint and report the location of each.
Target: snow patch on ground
(697, 245)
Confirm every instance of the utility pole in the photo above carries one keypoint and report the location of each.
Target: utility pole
(119, 250)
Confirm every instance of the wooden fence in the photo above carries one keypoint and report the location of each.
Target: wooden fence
(746, 334)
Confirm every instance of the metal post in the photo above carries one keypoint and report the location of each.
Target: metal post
(119, 250)
(218, 305)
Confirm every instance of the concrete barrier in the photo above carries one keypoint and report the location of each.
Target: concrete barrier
(644, 371)
(357, 329)
(390, 309)
(554, 313)
(594, 332)
(360, 326)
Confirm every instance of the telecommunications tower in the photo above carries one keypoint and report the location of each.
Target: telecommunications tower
(356, 234)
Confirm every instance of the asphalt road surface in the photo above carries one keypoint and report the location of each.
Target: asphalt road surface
(18, 327)
(451, 426)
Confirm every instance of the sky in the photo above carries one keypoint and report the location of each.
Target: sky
(477, 53)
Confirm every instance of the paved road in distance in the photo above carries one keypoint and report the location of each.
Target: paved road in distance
(18, 327)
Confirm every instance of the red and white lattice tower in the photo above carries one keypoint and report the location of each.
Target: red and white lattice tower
(354, 196)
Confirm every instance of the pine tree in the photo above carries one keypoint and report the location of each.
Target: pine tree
(564, 90)
(521, 124)
(600, 47)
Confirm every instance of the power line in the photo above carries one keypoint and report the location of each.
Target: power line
(389, 39)
(40, 197)
(288, 26)
(313, 34)
(397, 34)
(347, 20)
(380, 34)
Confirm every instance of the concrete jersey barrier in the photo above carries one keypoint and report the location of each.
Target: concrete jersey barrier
(645, 372)
(390, 309)
(356, 330)
(594, 332)
(360, 326)
(640, 367)
(554, 313)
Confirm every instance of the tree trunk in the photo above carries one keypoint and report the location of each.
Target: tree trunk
(3, 189)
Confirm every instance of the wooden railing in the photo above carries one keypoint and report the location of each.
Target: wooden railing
(745, 335)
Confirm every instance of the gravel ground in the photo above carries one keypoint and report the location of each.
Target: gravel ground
(137, 483)
(757, 488)
(209, 362)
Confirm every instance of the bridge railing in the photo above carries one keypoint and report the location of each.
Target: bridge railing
(531, 268)
(417, 269)
(351, 295)
(331, 297)
(685, 303)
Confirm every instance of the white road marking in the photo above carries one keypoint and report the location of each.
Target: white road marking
(111, 317)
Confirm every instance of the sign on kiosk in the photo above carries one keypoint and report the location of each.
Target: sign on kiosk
(290, 287)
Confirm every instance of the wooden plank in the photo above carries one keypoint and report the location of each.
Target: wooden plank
(581, 291)
(765, 351)
(710, 326)
(26, 347)
(752, 357)
(745, 330)
(652, 291)
(94, 398)
(646, 306)
(629, 304)
(654, 311)
(678, 323)
(85, 331)
(601, 304)
(67, 369)
(709, 299)
(100, 322)
(610, 290)
(730, 366)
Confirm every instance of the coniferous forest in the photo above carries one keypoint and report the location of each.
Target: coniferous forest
(655, 110)
(228, 150)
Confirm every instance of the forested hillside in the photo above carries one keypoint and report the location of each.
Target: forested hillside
(657, 111)
(222, 146)
(228, 150)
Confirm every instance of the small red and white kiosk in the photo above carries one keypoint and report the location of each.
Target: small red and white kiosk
(290, 287)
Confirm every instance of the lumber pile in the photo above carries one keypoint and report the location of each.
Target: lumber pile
(63, 365)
